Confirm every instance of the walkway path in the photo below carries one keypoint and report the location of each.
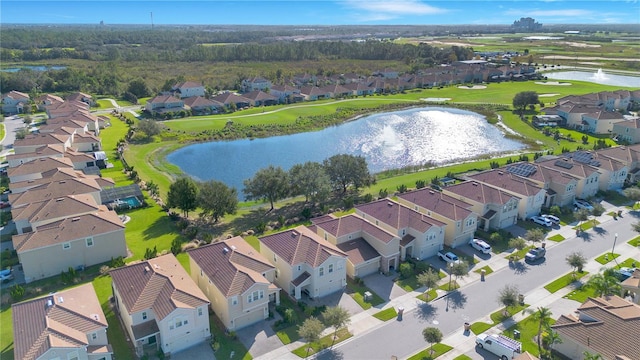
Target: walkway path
(462, 343)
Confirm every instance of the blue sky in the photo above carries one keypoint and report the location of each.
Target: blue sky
(319, 12)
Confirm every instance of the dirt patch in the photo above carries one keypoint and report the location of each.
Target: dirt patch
(547, 95)
(580, 45)
(552, 83)
(435, 99)
(474, 87)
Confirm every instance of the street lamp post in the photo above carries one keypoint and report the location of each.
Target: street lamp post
(615, 238)
(450, 267)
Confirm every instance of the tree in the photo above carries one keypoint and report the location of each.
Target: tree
(217, 199)
(524, 98)
(183, 194)
(347, 170)
(271, 183)
(534, 235)
(508, 296)
(153, 188)
(428, 279)
(517, 243)
(589, 356)
(581, 215)
(577, 261)
(432, 336)
(138, 88)
(21, 133)
(552, 338)
(604, 284)
(311, 180)
(150, 127)
(636, 226)
(459, 269)
(310, 330)
(543, 317)
(336, 317)
(633, 193)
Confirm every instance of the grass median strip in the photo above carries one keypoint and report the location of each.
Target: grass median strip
(605, 258)
(564, 280)
(325, 342)
(386, 314)
(438, 350)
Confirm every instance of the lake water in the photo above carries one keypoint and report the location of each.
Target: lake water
(34, 68)
(387, 141)
(599, 77)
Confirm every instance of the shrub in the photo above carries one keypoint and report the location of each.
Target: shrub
(182, 224)
(17, 292)
(401, 188)
(176, 246)
(406, 270)
(191, 232)
(383, 193)
(117, 262)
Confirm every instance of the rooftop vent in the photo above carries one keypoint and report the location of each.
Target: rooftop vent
(60, 299)
(233, 247)
(390, 203)
(146, 269)
(225, 250)
(294, 233)
(49, 303)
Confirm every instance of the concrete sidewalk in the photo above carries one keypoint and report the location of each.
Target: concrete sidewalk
(462, 342)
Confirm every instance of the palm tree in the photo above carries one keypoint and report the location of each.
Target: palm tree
(604, 284)
(543, 317)
(552, 338)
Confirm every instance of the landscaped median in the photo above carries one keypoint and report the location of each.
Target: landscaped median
(496, 318)
(438, 349)
(325, 342)
(564, 281)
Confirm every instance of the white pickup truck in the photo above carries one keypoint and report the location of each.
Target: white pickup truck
(449, 257)
(506, 348)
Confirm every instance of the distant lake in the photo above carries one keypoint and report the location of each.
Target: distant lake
(599, 77)
(34, 68)
(387, 141)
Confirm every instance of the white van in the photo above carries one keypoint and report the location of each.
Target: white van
(506, 348)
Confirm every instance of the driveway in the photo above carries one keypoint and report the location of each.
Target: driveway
(199, 352)
(260, 338)
(384, 285)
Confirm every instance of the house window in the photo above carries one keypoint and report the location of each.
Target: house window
(234, 300)
(89, 242)
(94, 336)
(330, 268)
(199, 311)
(299, 267)
(321, 271)
(66, 246)
(144, 315)
(255, 296)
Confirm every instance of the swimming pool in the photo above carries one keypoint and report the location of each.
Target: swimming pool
(132, 201)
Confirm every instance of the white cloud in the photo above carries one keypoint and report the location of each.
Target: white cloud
(399, 7)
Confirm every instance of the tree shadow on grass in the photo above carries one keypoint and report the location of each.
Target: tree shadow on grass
(161, 227)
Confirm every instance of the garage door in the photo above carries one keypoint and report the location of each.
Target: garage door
(330, 288)
(184, 342)
(250, 318)
(370, 268)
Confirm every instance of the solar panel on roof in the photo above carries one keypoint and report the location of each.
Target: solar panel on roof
(522, 169)
(563, 164)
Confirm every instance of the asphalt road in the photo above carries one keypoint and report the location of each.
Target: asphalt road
(404, 338)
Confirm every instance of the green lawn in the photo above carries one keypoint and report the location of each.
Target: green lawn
(520, 253)
(487, 270)
(606, 258)
(528, 328)
(462, 357)
(499, 316)
(581, 294)
(446, 287)
(635, 242)
(431, 294)
(288, 334)
(325, 342)
(6, 333)
(431, 353)
(480, 327)
(564, 280)
(386, 314)
(356, 291)
(556, 238)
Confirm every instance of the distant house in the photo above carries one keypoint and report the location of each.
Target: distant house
(261, 98)
(607, 326)
(68, 324)
(632, 285)
(255, 83)
(14, 102)
(627, 131)
(44, 151)
(200, 105)
(33, 169)
(237, 280)
(79, 96)
(230, 100)
(161, 308)
(188, 89)
(163, 104)
(286, 93)
(305, 263)
(46, 100)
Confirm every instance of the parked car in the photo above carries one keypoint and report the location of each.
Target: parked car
(542, 221)
(480, 245)
(6, 275)
(505, 347)
(449, 257)
(582, 204)
(624, 273)
(535, 254)
(4, 204)
(554, 219)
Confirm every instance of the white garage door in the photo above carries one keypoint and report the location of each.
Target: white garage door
(250, 318)
(367, 269)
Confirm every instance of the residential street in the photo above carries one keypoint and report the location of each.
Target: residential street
(374, 339)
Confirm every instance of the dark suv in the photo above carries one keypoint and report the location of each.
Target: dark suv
(535, 254)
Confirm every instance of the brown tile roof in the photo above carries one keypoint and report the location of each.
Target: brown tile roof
(569, 166)
(632, 282)
(63, 319)
(358, 251)
(608, 326)
(69, 229)
(438, 202)
(49, 150)
(41, 139)
(232, 265)
(301, 245)
(17, 95)
(507, 181)
(56, 208)
(187, 84)
(626, 154)
(199, 101)
(78, 96)
(397, 216)
(229, 97)
(53, 190)
(353, 224)
(58, 174)
(161, 99)
(481, 193)
(39, 166)
(160, 284)
(259, 95)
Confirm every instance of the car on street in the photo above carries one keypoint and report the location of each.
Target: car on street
(6, 275)
(582, 204)
(535, 254)
(480, 245)
(542, 221)
(623, 273)
(554, 219)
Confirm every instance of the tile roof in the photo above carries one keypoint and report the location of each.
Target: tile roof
(352, 224)
(608, 326)
(259, 95)
(49, 150)
(232, 265)
(398, 216)
(481, 193)
(53, 190)
(569, 166)
(162, 99)
(187, 84)
(63, 319)
(301, 245)
(58, 174)
(160, 284)
(229, 97)
(358, 251)
(438, 202)
(39, 166)
(73, 228)
(55, 208)
(507, 181)
(199, 101)
(16, 95)
(44, 138)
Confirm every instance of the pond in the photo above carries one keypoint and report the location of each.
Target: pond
(387, 141)
(34, 68)
(599, 77)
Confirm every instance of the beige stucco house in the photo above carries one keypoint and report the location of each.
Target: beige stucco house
(369, 248)
(67, 325)
(421, 235)
(14, 102)
(632, 285)
(160, 306)
(237, 280)
(74, 242)
(305, 262)
(460, 222)
(607, 326)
